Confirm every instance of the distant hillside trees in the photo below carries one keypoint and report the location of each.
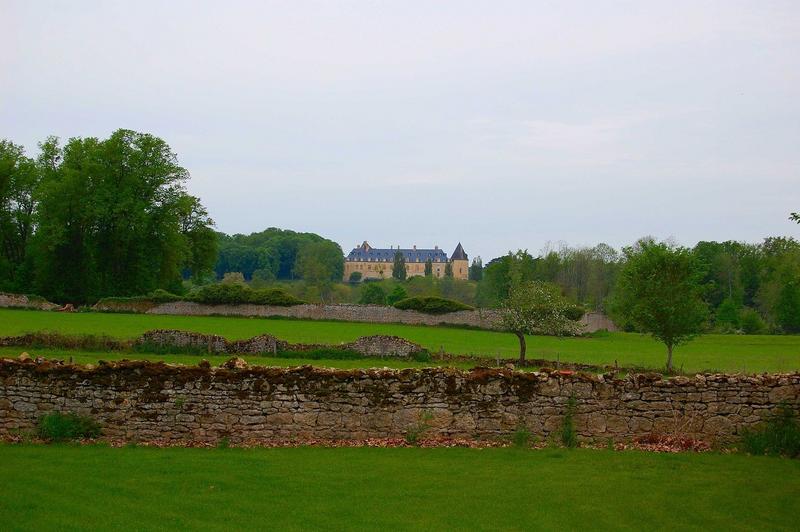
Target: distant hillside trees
(273, 254)
(95, 218)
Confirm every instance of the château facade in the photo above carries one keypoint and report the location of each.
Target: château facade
(374, 263)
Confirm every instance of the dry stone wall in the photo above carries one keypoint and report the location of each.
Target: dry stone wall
(22, 301)
(149, 401)
(377, 345)
(480, 318)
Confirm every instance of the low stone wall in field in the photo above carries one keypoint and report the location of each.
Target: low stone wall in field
(480, 318)
(22, 301)
(149, 401)
(376, 345)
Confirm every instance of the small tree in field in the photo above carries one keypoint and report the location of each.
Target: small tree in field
(428, 268)
(658, 291)
(535, 307)
(399, 267)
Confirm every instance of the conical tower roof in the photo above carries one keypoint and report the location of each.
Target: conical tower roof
(459, 253)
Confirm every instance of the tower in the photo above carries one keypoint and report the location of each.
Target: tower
(460, 263)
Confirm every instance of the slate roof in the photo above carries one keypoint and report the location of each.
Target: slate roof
(459, 253)
(366, 253)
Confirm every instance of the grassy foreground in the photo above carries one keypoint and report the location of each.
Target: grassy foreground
(709, 352)
(72, 488)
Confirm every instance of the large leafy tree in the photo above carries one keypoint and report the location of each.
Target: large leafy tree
(19, 179)
(659, 292)
(535, 307)
(115, 219)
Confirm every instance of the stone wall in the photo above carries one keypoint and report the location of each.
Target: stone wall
(168, 339)
(481, 318)
(22, 301)
(149, 401)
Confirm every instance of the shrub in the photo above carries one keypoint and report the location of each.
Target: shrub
(397, 294)
(421, 356)
(372, 294)
(778, 435)
(415, 432)
(751, 322)
(431, 305)
(574, 312)
(322, 353)
(355, 277)
(58, 427)
(236, 294)
(162, 296)
(569, 437)
(275, 297)
(521, 437)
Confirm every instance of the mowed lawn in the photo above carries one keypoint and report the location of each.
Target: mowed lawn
(709, 352)
(80, 488)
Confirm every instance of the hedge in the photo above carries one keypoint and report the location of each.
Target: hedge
(235, 294)
(431, 305)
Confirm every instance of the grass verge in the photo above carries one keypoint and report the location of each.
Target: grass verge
(92, 487)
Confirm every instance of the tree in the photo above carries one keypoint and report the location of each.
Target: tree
(659, 292)
(396, 295)
(372, 294)
(476, 269)
(399, 266)
(448, 270)
(788, 307)
(428, 268)
(795, 217)
(355, 277)
(314, 265)
(534, 307)
(19, 178)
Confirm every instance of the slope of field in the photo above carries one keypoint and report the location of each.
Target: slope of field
(709, 352)
(80, 488)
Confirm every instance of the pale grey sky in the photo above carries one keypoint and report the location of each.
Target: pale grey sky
(500, 124)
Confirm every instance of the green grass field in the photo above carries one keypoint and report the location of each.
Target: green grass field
(709, 352)
(79, 488)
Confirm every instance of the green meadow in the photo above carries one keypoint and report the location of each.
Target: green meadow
(733, 353)
(312, 488)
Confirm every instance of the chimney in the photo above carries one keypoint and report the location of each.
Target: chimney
(435, 247)
(415, 247)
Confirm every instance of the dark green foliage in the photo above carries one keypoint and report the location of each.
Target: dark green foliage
(431, 305)
(778, 435)
(568, 434)
(416, 431)
(448, 270)
(521, 437)
(787, 309)
(372, 294)
(660, 293)
(574, 312)
(422, 356)
(273, 296)
(751, 322)
(58, 427)
(476, 269)
(727, 316)
(236, 293)
(274, 253)
(162, 296)
(355, 277)
(428, 268)
(397, 293)
(399, 267)
(322, 353)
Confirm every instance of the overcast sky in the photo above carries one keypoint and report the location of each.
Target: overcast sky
(502, 125)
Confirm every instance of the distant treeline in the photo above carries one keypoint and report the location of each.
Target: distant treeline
(748, 287)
